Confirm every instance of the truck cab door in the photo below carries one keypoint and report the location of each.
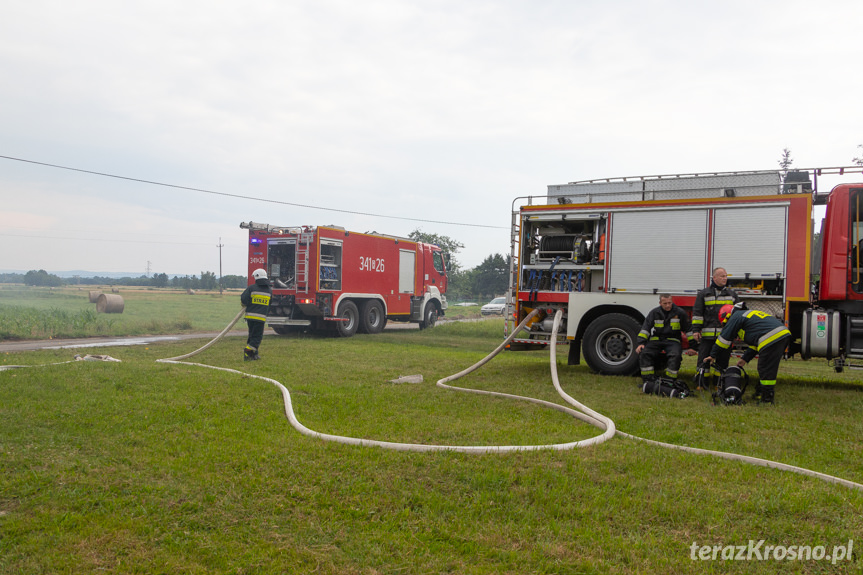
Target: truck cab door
(437, 270)
(855, 240)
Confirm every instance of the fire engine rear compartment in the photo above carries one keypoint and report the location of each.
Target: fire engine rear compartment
(604, 251)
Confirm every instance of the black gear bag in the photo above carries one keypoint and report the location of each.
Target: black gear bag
(666, 387)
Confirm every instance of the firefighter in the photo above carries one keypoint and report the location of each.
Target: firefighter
(705, 317)
(766, 336)
(256, 300)
(661, 332)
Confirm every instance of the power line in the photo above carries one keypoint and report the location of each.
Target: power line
(246, 197)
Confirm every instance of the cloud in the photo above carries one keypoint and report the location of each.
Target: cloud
(433, 110)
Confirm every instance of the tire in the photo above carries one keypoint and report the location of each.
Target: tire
(429, 316)
(349, 311)
(609, 345)
(372, 318)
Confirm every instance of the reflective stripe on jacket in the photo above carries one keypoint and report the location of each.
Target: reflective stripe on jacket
(256, 298)
(705, 312)
(660, 324)
(756, 328)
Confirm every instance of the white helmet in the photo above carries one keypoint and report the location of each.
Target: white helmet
(260, 274)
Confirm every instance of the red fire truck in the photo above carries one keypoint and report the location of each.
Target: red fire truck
(602, 250)
(328, 278)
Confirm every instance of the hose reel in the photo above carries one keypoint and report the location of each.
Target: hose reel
(569, 247)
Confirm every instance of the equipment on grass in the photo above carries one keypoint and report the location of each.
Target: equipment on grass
(666, 387)
(731, 387)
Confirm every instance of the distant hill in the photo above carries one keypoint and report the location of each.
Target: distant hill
(89, 274)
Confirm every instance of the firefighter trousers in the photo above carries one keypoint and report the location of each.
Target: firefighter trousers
(256, 333)
(769, 358)
(653, 350)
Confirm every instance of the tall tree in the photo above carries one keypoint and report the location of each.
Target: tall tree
(449, 246)
(491, 277)
(785, 161)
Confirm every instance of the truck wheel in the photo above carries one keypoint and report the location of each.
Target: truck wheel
(372, 318)
(429, 316)
(348, 311)
(609, 345)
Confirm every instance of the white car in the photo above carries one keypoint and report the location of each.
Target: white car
(497, 306)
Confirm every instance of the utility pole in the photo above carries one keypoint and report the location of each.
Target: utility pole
(220, 246)
(149, 264)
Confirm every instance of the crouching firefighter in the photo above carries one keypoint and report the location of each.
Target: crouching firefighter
(766, 336)
(256, 300)
(661, 332)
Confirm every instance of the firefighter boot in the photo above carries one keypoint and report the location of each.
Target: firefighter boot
(758, 389)
(250, 354)
(766, 394)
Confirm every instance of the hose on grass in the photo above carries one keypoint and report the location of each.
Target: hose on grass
(603, 423)
(581, 412)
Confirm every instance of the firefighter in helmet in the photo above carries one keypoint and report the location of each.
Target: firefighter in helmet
(661, 332)
(705, 317)
(256, 300)
(766, 336)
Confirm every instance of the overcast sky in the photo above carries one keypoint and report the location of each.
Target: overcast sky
(431, 110)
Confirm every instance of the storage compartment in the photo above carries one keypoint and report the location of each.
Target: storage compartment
(281, 262)
(331, 265)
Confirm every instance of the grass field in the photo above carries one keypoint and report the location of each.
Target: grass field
(142, 467)
(42, 313)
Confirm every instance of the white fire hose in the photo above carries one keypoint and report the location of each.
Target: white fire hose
(581, 412)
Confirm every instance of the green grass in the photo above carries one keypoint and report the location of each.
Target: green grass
(41, 313)
(141, 467)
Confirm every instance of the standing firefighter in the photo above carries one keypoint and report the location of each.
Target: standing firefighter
(256, 300)
(661, 332)
(705, 316)
(766, 336)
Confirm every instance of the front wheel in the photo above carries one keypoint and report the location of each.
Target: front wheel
(609, 345)
(429, 316)
(350, 315)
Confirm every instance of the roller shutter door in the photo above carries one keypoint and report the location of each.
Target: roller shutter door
(662, 251)
(750, 241)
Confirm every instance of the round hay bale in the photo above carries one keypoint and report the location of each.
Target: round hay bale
(110, 303)
(115, 290)
(94, 295)
(190, 291)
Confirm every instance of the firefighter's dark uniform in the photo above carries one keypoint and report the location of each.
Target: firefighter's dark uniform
(705, 317)
(766, 336)
(661, 332)
(256, 299)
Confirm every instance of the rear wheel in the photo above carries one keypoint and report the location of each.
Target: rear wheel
(609, 345)
(350, 317)
(372, 318)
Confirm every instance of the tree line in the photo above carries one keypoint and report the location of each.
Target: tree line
(483, 282)
(206, 281)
